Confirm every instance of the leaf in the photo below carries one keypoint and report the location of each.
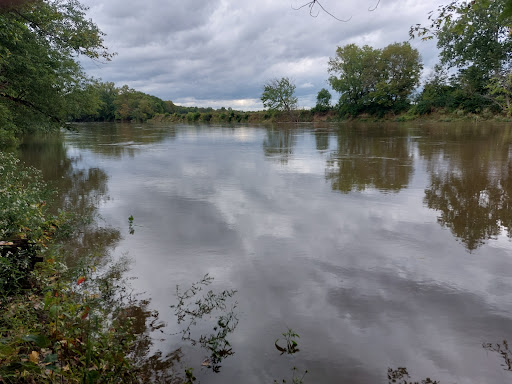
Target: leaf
(51, 358)
(54, 309)
(80, 280)
(279, 348)
(34, 357)
(85, 313)
(6, 350)
(40, 340)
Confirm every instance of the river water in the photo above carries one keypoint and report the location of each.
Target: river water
(380, 245)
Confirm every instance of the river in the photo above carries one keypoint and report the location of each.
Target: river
(380, 245)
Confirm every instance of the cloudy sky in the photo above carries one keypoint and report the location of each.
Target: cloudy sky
(220, 52)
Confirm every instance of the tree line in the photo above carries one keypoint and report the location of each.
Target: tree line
(474, 73)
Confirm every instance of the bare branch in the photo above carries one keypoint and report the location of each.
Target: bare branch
(312, 3)
(371, 9)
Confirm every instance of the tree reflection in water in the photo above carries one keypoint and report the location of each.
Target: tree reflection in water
(370, 158)
(470, 183)
(279, 143)
(504, 351)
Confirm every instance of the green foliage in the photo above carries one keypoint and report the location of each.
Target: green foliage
(278, 95)
(500, 86)
(323, 101)
(25, 225)
(290, 344)
(42, 84)
(473, 37)
(71, 328)
(374, 81)
(23, 197)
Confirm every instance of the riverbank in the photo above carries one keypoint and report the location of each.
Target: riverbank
(61, 320)
(304, 116)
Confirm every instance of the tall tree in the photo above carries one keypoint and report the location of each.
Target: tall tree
(353, 75)
(278, 95)
(374, 80)
(323, 100)
(41, 82)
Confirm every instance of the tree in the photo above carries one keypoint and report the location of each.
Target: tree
(41, 82)
(447, 13)
(474, 37)
(323, 100)
(400, 70)
(354, 76)
(375, 80)
(278, 95)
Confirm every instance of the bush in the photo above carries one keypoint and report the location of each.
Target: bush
(24, 225)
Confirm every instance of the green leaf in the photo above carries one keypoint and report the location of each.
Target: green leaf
(51, 358)
(40, 340)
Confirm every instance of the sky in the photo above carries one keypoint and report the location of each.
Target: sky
(220, 53)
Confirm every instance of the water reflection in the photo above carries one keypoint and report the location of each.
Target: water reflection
(369, 280)
(80, 191)
(370, 157)
(279, 143)
(504, 351)
(321, 139)
(120, 139)
(470, 181)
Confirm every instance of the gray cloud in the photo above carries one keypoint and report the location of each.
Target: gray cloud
(221, 52)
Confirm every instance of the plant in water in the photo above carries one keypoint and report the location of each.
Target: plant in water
(190, 309)
(131, 226)
(401, 376)
(288, 345)
(297, 377)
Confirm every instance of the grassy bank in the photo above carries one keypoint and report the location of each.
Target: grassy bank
(304, 116)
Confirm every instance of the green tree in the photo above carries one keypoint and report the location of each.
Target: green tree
(323, 100)
(374, 80)
(41, 82)
(400, 69)
(500, 86)
(278, 95)
(353, 75)
(474, 37)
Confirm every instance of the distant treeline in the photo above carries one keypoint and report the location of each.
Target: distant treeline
(111, 103)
